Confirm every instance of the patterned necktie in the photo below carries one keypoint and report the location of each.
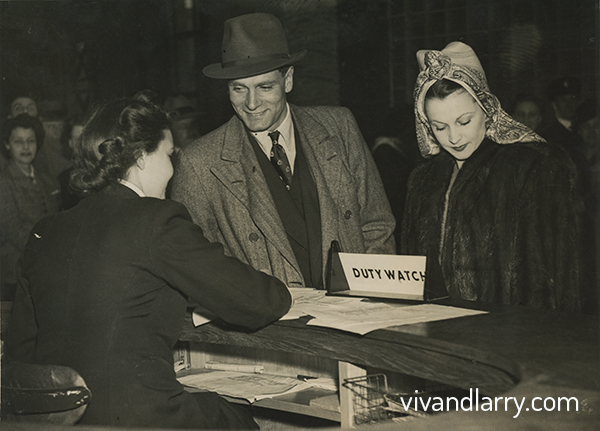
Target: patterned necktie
(280, 160)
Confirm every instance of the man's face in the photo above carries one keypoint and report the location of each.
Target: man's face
(528, 113)
(260, 100)
(23, 105)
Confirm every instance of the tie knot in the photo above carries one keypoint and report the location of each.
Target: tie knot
(274, 136)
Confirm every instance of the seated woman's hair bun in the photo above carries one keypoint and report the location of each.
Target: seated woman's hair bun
(111, 148)
(114, 136)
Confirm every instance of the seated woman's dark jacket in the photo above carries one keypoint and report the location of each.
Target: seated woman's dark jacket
(511, 228)
(104, 289)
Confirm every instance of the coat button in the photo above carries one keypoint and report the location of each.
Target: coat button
(253, 237)
(348, 215)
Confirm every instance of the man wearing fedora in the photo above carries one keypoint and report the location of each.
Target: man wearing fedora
(277, 182)
(564, 96)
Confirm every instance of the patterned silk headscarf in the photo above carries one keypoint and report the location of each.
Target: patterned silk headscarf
(459, 63)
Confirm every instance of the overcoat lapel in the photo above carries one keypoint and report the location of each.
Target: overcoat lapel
(240, 173)
(326, 166)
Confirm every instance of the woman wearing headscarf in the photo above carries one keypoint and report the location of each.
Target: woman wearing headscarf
(493, 208)
(104, 286)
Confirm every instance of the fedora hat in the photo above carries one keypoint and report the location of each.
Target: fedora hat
(252, 44)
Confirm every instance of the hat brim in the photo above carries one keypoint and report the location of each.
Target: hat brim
(250, 68)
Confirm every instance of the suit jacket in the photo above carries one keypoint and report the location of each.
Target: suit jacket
(104, 290)
(219, 180)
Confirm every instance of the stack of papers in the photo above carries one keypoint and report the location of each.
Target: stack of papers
(357, 315)
(248, 386)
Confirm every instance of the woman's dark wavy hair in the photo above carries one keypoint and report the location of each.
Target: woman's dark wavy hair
(114, 136)
(24, 121)
(442, 89)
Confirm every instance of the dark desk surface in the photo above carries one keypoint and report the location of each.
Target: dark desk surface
(511, 351)
(492, 351)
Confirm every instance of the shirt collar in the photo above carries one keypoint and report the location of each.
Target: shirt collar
(286, 129)
(566, 123)
(30, 175)
(133, 187)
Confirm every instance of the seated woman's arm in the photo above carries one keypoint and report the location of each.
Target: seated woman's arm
(232, 290)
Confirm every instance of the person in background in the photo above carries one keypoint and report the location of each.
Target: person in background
(494, 207)
(71, 131)
(185, 118)
(26, 194)
(20, 105)
(104, 286)
(396, 153)
(528, 110)
(586, 123)
(24, 105)
(50, 158)
(564, 96)
(277, 183)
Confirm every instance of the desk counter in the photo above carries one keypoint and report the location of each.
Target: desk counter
(511, 352)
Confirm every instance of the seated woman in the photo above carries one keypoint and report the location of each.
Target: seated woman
(104, 286)
(494, 208)
(27, 195)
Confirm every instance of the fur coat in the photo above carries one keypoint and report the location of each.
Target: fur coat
(510, 231)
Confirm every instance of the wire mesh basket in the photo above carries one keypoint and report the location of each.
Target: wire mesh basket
(368, 393)
(373, 402)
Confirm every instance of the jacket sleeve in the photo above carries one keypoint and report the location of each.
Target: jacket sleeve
(376, 218)
(232, 290)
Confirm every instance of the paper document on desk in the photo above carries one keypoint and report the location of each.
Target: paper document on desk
(201, 315)
(312, 302)
(387, 315)
(362, 316)
(358, 315)
(251, 387)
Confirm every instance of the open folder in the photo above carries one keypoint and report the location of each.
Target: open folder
(380, 276)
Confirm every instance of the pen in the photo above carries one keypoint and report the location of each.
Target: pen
(303, 377)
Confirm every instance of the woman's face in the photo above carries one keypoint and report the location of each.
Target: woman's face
(458, 123)
(22, 145)
(159, 168)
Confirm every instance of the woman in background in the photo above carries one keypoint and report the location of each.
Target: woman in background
(104, 286)
(494, 208)
(26, 194)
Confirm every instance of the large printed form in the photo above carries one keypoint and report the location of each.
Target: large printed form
(357, 315)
